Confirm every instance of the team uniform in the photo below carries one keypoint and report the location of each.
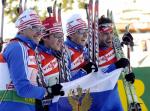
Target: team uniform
(50, 58)
(77, 59)
(107, 57)
(49, 64)
(18, 88)
(108, 60)
(19, 55)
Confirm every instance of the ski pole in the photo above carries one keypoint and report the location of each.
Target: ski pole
(135, 105)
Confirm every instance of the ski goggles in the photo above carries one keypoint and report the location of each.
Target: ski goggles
(36, 28)
(81, 31)
(58, 36)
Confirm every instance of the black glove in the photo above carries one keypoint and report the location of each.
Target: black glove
(130, 77)
(56, 90)
(127, 39)
(89, 67)
(122, 63)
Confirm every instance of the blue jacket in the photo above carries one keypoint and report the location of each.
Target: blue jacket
(16, 57)
(78, 72)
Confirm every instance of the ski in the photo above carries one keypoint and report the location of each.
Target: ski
(65, 71)
(59, 14)
(96, 38)
(93, 39)
(20, 7)
(25, 4)
(54, 8)
(2, 24)
(40, 71)
(90, 30)
(133, 104)
(41, 104)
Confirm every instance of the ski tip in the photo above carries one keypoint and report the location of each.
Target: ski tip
(55, 2)
(54, 5)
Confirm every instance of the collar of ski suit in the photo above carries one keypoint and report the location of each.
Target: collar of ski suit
(104, 48)
(26, 40)
(74, 45)
(42, 48)
(50, 51)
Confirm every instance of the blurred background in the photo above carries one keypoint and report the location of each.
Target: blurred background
(133, 12)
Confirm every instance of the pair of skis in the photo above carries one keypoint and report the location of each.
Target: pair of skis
(93, 39)
(133, 104)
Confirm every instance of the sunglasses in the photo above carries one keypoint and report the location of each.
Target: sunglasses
(37, 28)
(57, 36)
(81, 31)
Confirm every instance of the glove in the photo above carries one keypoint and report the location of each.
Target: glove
(122, 63)
(130, 77)
(127, 39)
(89, 67)
(55, 90)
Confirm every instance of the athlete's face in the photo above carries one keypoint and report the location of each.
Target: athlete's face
(80, 37)
(105, 39)
(54, 41)
(34, 33)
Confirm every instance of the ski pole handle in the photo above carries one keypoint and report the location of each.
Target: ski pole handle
(49, 10)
